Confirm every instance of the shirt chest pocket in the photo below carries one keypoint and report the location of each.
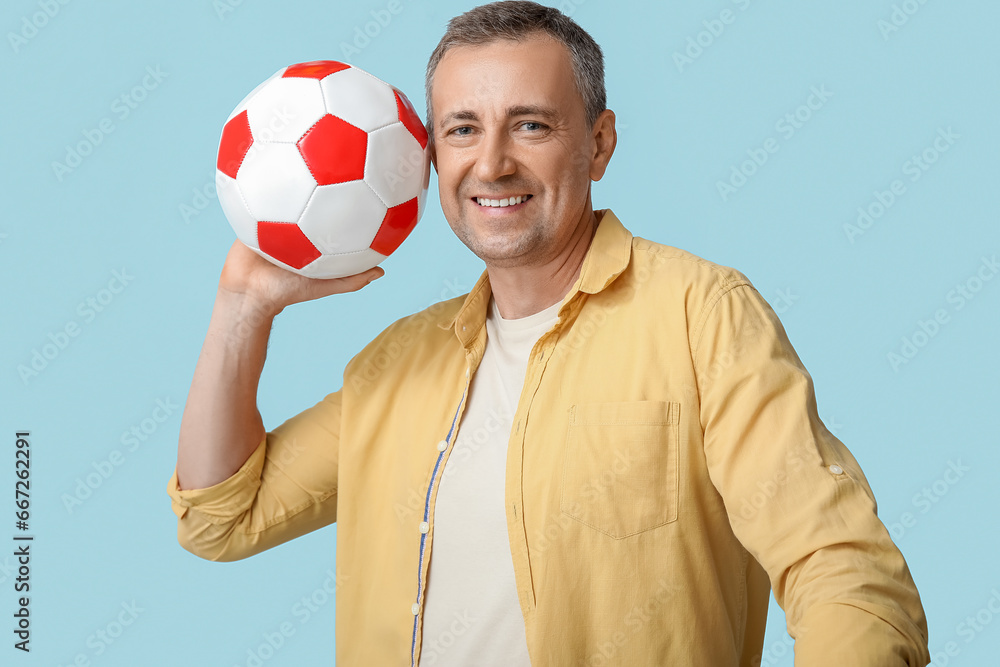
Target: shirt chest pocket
(620, 466)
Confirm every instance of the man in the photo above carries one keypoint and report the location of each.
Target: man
(604, 454)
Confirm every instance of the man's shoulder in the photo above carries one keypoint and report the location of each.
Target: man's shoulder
(420, 330)
(431, 323)
(675, 268)
(672, 280)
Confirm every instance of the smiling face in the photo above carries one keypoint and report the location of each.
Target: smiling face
(514, 153)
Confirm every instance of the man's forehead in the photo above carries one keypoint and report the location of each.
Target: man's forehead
(502, 75)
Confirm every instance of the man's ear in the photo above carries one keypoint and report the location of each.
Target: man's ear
(433, 148)
(605, 139)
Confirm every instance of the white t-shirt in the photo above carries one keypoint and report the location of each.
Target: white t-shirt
(472, 617)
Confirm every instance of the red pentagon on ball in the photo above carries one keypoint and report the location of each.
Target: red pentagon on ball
(236, 141)
(399, 221)
(286, 243)
(334, 151)
(409, 118)
(317, 69)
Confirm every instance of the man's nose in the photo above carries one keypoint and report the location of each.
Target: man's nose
(494, 159)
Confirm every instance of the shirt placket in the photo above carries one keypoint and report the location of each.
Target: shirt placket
(514, 489)
(444, 448)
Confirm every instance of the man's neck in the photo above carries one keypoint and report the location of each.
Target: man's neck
(525, 290)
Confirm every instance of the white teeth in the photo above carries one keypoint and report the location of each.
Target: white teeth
(497, 203)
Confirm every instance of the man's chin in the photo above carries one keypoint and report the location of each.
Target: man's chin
(497, 252)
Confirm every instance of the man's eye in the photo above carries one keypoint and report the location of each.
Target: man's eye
(462, 131)
(532, 126)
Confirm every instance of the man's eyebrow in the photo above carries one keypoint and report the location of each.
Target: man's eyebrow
(532, 110)
(458, 115)
(547, 113)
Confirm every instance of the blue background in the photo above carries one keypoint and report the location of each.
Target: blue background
(847, 300)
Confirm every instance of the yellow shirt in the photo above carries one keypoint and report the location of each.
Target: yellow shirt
(666, 465)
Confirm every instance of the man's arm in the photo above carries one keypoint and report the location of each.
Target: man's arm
(221, 425)
(222, 432)
(848, 596)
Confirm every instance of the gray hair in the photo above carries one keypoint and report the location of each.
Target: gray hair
(516, 20)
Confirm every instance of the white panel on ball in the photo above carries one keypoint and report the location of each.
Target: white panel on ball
(244, 224)
(243, 103)
(422, 200)
(361, 99)
(394, 165)
(285, 109)
(342, 217)
(275, 182)
(337, 266)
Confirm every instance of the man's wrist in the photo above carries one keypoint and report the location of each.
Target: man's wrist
(243, 314)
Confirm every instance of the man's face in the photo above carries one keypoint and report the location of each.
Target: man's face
(510, 126)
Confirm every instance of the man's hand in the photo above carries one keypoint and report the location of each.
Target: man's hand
(272, 288)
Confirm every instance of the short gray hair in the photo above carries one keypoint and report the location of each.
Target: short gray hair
(516, 20)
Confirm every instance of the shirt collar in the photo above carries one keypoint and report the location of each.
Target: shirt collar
(608, 255)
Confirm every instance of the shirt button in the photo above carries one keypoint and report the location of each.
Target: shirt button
(443, 445)
(415, 609)
(424, 526)
(836, 469)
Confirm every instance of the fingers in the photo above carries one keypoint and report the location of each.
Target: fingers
(327, 286)
(246, 272)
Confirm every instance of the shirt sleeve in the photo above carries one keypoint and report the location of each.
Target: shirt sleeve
(286, 488)
(795, 496)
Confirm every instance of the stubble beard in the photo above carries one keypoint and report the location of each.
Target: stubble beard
(513, 248)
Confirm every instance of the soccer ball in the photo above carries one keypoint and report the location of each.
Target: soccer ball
(323, 169)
